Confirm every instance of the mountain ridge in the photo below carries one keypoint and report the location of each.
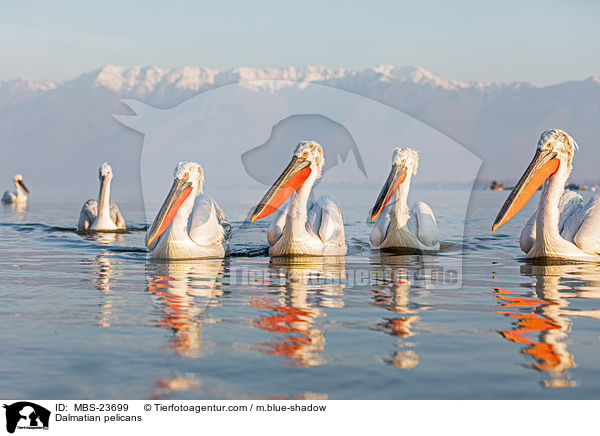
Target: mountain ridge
(500, 122)
(124, 79)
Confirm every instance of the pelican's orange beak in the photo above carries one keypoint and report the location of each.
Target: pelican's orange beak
(395, 178)
(543, 165)
(291, 179)
(179, 192)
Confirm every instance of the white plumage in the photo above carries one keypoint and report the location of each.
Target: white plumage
(89, 215)
(579, 224)
(190, 224)
(563, 226)
(20, 194)
(323, 233)
(397, 226)
(101, 215)
(303, 227)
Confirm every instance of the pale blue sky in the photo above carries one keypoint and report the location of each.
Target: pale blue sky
(542, 42)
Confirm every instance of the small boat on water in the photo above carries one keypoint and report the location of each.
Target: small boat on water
(496, 186)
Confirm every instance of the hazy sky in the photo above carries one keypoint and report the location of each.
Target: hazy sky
(537, 41)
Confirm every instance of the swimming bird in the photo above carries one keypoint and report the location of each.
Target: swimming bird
(101, 215)
(303, 226)
(563, 226)
(189, 224)
(399, 227)
(18, 197)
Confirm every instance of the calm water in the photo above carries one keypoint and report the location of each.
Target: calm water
(89, 317)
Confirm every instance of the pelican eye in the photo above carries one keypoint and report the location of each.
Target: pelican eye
(305, 154)
(186, 176)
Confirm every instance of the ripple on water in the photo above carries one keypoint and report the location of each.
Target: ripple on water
(476, 320)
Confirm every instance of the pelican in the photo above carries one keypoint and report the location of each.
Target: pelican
(102, 215)
(303, 227)
(399, 226)
(563, 226)
(189, 224)
(20, 197)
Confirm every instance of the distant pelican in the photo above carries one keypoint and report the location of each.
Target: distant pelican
(563, 226)
(301, 228)
(102, 215)
(190, 224)
(20, 197)
(399, 226)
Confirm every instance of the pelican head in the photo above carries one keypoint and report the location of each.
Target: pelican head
(554, 152)
(188, 178)
(307, 161)
(18, 179)
(561, 143)
(105, 172)
(191, 172)
(312, 152)
(405, 162)
(406, 157)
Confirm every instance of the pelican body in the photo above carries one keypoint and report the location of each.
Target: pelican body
(303, 226)
(18, 197)
(563, 226)
(399, 227)
(101, 215)
(189, 224)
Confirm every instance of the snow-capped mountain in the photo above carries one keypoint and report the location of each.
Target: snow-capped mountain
(67, 127)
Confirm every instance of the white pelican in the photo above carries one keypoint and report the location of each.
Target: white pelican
(563, 226)
(301, 228)
(102, 215)
(20, 197)
(190, 224)
(399, 226)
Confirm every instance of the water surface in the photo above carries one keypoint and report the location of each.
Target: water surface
(90, 317)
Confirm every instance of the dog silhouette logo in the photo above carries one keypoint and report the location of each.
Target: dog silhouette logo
(26, 415)
(263, 163)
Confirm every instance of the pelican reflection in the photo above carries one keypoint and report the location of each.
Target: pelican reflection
(188, 382)
(18, 208)
(398, 274)
(105, 269)
(106, 273)
(543, 318)
(307, 284)
(183, 290)
(104, 238)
